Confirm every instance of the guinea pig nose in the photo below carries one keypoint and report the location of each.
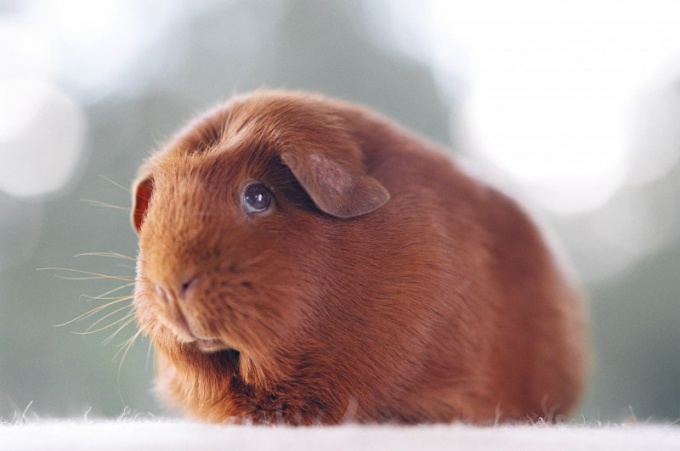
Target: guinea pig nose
(186, 285)
(169, 293)
(162, 292)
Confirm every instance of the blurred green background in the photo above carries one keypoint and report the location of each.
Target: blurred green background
(574, 106)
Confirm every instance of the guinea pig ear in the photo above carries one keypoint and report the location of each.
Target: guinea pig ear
(333, 188)
(143, 189)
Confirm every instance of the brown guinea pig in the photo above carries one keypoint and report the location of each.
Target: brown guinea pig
(306, 261)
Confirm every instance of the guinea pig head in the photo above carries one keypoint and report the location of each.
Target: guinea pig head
(234, 218)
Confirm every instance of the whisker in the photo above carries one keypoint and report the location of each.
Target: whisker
(121, 278)
(107, 255)
(91, 327)
(115, 183)
(104, 296)
(87, 275)
(127, 344)
(125, 347)
(131, 319)
(113, 310)
(97, 203)
(108, 326)
(88, 298)
(150, 349)
(96, 310)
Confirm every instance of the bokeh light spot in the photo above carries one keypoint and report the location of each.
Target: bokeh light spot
(41, 138)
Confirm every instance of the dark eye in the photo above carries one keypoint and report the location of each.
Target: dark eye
(256, 198)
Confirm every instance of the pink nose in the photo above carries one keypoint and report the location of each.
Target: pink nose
(173, 294)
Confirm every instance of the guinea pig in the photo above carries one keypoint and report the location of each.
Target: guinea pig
(303, 260)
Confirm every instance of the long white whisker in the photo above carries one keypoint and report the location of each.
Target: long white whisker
(107, 255)
(91, 330)
(125, 347)
(125, 324)
(105, 297)
(115, 183)
(88, 275)
(95, 310)
(97, 203)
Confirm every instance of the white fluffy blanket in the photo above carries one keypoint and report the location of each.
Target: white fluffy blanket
(184, 435)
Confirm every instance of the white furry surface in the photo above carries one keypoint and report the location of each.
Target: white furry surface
(181, 435)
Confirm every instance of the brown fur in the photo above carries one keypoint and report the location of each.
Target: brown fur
(384, 283)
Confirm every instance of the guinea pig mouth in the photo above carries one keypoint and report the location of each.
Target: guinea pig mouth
(205, 344)
(185, 333)
(210, 344)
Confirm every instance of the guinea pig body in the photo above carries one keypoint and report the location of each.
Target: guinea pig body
(303, 260)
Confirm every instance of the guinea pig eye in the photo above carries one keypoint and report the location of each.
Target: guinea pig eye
(256, 198)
